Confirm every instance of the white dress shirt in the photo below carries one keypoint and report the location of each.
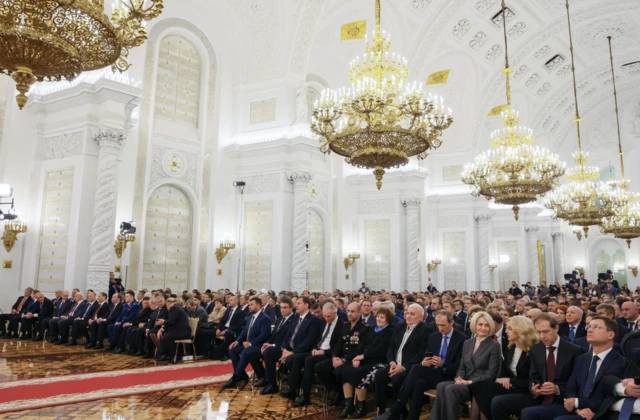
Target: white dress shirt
(405, 337)
(326, 343)
(601, 357)
(617, 406)
(514, 362)
(555, 353)
(233, 311)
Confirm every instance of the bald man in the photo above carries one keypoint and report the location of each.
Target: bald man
(574, 326)
(629, 311)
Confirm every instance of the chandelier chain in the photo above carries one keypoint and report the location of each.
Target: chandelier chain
(507, 69)
(615, 99)
(573, 74)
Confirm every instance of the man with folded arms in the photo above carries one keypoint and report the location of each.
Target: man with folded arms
(584, 392)
(254, 335)
(552, 363)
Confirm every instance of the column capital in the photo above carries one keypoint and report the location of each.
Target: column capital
(480, 218)
(109, 140)
(298, 177)
(412, 202)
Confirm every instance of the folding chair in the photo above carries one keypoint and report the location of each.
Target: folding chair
(193, 323)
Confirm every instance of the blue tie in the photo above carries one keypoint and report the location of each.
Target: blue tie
(627, 409)
(445, 346)
(572, 334)
(591, 377)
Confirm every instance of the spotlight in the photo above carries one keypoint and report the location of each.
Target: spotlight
(239, 183)
(127, 227)
(7, 216)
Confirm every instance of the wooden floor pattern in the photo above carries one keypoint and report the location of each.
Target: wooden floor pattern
(28, 360)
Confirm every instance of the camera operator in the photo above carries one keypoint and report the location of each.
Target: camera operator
(543, 290)
(529, 289)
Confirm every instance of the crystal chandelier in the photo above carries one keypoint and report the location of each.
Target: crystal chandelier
(625, 223)
(514, 172)
(59, 39)
(583, 201)
(380, 121)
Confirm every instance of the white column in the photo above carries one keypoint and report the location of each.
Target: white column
(412, 204)
(110, 144)
(532, 247)
(300, 181)
(483, 243)
(558, 256)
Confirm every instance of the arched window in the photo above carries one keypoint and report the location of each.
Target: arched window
(178, 81)
(167, 243)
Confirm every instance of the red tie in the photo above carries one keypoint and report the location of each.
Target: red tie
(495, 338)
(74, 309)
(21, 303)
(551, 374)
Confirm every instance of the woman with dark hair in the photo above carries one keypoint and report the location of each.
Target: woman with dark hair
(362, 370)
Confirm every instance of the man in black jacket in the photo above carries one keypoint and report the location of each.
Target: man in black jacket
(62, 306)
(144, 311)
(176, 327)
(623, 395)
(440, 363)
(332, 330)
(18, 308)
(407, 348)
(85, 316)
(99, 309)
(552, 361)
(145, 343)
(42, 309)
(284, 326)
(98, 328)
(230, 326)
(356, 335)
(574, 327)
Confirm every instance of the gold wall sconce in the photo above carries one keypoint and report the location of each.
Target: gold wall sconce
(579, 268)
(223, 249)
(634, 269)
(435, 262)
(12, 229)
(121, 242)
(492, 266)
(351, 259)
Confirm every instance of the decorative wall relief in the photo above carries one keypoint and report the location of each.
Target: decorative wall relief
(262, 184)
(258, 244)
(377, 206)
(315, 253)
(54, 229)
(454, 261)
(169, 163)
(449, 221)
(505, 231)
(377, 243)
(63, 146)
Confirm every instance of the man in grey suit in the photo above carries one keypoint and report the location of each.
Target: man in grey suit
(481, 360)
(195, 310)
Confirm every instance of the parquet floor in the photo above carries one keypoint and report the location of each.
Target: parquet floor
(28, 360)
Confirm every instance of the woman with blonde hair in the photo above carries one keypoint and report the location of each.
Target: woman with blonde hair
(481, 359)
(514, 377)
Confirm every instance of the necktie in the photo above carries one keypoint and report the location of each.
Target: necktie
(282, 321)
(87, 311)
(495, 338)
(627, 409)
(591, 377)
(295, 331)
(632, 325)
(95, 316)
(73, 310)
(551, 373)
(253, 318)
(445, 347)
(572, 334)
(21, 303)
(324, 336)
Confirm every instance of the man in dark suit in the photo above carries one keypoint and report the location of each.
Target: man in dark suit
(440, 364)
(332, 330)
(98, 328)
(147, 336)
(42, 309)
(630, 316)
(552, 363)
(366, 310)
(301, 339)
(363, 289)
(356, 335)
(268, 309)
(431, 288)
(176, 327)
(143, 314)
(584, 391)
(574, 326)
(407, 348)
(18, 308)
(207, 302)
(129, 310)
(255, 334)
(608, 311)
(90, 308)
(284, 325)
(63, 305)
(98, 309)
(66, 320)
(230, 326)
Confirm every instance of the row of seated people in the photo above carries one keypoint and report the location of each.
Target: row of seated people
(141, 327)
(530, 369)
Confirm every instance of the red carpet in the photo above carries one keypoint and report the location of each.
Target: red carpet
(37, 393)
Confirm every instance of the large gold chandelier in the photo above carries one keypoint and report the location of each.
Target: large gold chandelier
(59, 39)
(380, 121)
(625, 223)
(515, 172)
(583, 201)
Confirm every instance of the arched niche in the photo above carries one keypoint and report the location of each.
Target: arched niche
(606, 253)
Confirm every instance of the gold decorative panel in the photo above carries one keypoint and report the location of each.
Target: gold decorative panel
(7, 264)
(54, 229)
(315, 254)
(258, 243)
(167, 244)
(455, 267)
(178, 81)
(377, 245)
(262, 111)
